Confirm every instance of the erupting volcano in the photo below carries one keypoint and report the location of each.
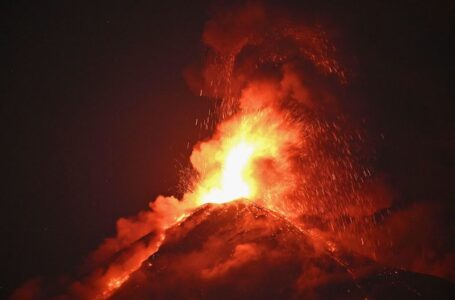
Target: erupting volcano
(278, 202)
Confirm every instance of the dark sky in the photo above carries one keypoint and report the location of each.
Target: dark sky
(96, 115)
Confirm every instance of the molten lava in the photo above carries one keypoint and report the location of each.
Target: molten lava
(229, 164)
(234, 176)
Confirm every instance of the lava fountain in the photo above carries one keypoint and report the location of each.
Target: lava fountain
(230, 163)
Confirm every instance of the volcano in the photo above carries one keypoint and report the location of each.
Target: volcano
(240, 250)
(288, 191)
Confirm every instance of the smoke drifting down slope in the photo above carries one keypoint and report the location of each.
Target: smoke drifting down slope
(281, 141)
(239, 250)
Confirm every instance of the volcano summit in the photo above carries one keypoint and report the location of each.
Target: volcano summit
(243, 251)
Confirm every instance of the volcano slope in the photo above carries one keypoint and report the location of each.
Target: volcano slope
(243, 251)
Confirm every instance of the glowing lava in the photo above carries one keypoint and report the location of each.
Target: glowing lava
(234, 176)
(244, 159)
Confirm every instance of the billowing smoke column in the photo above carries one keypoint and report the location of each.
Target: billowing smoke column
(277, 79)
(280, 140)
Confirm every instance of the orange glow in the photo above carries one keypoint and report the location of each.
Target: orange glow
(235, 182)
(229, 164)
(114, 284)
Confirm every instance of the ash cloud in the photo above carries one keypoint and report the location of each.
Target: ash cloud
(261, 57)
(248, 41)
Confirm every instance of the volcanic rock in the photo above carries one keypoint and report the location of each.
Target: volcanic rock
(243, 251)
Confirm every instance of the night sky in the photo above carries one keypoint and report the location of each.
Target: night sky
(97, 117)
